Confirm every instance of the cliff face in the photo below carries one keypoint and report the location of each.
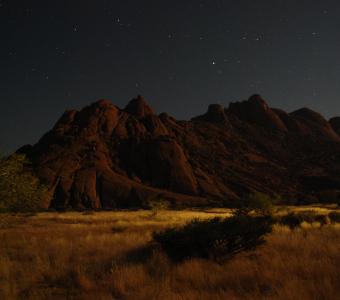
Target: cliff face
(107, 157)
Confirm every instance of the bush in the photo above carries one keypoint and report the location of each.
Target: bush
(217, 239)
(20, 191)
(334, 217)
(294, 220)
(322, 219)
(156, 206)
(291, 220)
(258, 203)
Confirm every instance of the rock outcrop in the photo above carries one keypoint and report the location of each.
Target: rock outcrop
(257, 111)
(106, 157)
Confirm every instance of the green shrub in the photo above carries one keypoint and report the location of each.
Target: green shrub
(157, 205)
(258, 203)
(20, 190)
(217, 239)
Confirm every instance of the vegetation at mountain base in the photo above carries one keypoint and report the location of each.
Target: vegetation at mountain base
(20, 190)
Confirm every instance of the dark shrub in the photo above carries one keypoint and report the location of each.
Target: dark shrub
(312, 216)
(257, 202)
(291, 220)
(294, 220)
(217, 239)
(309, 216)
(322, 219)
(334, 217)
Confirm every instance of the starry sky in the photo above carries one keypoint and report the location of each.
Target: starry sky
(181, 55)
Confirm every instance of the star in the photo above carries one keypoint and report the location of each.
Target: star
(213, 62)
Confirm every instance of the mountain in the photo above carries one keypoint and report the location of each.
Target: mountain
(106, 157)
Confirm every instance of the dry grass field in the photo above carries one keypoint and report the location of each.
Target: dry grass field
(107, 255)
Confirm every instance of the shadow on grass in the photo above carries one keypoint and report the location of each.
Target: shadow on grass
(140, 255)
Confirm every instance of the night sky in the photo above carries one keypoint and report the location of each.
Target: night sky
(180, 55)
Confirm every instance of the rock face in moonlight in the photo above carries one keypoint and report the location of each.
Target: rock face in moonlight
(107, 157)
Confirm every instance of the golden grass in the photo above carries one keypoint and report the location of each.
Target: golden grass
(105, 255)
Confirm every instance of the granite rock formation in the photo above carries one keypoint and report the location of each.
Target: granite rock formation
(106, 157)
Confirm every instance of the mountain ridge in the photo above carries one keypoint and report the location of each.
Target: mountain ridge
(103, 156)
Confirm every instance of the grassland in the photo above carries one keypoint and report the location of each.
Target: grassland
(109, 255)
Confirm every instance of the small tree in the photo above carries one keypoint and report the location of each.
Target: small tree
(20, 190)
(157, 205)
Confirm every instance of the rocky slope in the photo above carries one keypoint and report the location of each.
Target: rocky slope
(107, 157)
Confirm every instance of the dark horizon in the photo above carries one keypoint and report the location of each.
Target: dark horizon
(180, 56)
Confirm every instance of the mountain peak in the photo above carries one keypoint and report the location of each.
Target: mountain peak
(103, 103)
(257, 111)
(256, 98)
(215, 114)
(307, 113)
(139, 107)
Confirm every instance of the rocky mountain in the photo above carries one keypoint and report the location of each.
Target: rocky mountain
(106, 157)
